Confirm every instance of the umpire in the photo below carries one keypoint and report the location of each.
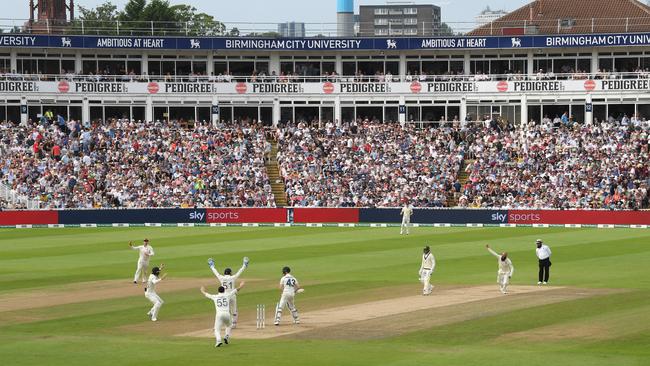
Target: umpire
(544, 255)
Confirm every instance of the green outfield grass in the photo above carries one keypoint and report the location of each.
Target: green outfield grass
(336, 266)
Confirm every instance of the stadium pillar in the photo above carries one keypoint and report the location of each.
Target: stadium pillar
(589, 110)
(339, 64)
(402, 66)
(23, 111)
(524, 111)
(276, 112)
(148, 111)
(78, 64)
(594, 62)
(215, 111)
(337, 111)
(463, 109)
(467, 67)
(144, 66)
(274, 64)
(209, 69)
(85, 110)
(530, 64)
(13, 62)
(402, 110)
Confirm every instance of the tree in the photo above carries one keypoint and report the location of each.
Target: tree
(234, 32)
(146, 17)
(445, 30)
(101, 20)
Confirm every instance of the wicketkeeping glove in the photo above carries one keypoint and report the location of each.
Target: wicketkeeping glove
(210, 262)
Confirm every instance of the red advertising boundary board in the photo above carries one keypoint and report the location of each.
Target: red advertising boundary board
(246, 215)
(582, 217)
(8, 218)
(326, 215)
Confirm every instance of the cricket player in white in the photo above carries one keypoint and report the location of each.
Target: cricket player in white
(228, 283)
(146, 252)
(222, 306)
(426, 268)
(289, 286)
(506, 269)
(406, 213)
(150, 292)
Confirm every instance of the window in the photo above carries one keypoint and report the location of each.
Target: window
(410, 11)
(396, 32)
(381, 11)
(411, 21)
(397, 21)
(410, 31)
(567, 23)
(395, 12)
(381, 32)
(381, 21)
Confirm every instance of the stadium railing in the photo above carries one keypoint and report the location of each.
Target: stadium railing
(328, 29)
(144, 78)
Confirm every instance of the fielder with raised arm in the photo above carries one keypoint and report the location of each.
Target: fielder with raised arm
(426, 268)
(506, 269)
(145, 252)
(406, 213)
(150, 291)
(228, 282)
(222, 317)
(290, 287)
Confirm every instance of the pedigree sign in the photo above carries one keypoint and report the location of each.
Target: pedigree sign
(325, 88)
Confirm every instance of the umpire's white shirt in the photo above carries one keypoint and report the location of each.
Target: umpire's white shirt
(543, 252)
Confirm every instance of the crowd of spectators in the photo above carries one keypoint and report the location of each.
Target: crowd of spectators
(556, 163)
(121, 163)
(549, 165)
(366, 164)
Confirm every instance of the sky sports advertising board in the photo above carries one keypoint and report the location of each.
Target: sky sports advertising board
(323, 44)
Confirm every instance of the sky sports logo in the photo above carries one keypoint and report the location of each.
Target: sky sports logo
(516, 217)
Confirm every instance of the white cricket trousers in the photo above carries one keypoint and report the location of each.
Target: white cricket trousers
(286, 300)
(222, 320)
(233, 310)
(156, 301)
(406, 222)
(425, 278)
(503, 280)
(141, 271)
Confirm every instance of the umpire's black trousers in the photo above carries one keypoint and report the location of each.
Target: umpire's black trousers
(544, 266)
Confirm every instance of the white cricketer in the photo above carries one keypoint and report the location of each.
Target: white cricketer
(150, 292)
(228, 282)
(289, 286)
(506, 269)
(145, 253)
(426, 269)
(222, 317)
(406, 213)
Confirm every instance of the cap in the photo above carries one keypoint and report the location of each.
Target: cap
(147, 240)
(538, 241)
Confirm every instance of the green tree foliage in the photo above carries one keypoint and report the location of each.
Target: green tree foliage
(146, 17)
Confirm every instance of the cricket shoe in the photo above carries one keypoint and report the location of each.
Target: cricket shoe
(154, 319)
(226, 340)
(218, 344)
(539, 283)
(296, 322)
(276, 323)
(544, 283)
(135, 282)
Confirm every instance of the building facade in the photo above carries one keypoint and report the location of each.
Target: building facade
(488, 15)
(291, 29)
(395, 20)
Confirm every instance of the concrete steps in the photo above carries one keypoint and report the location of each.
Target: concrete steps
(273, 171)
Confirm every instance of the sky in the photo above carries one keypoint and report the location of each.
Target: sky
(274, 11)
